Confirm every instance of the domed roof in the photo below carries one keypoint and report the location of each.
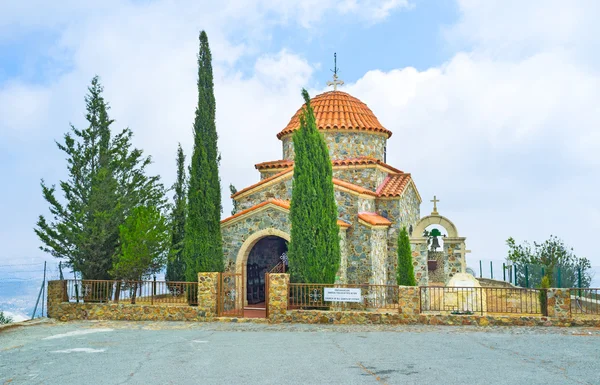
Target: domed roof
(336, 110)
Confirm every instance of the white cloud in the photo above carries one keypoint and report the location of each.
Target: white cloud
(504, 132)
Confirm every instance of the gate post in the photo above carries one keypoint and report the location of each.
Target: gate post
(208, 293)
(278, 296)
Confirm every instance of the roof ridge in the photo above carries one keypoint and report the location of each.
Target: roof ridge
(279, 174)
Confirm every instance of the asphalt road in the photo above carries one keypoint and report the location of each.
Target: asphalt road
(190, 353)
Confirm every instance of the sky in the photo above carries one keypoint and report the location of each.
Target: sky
(494, 104)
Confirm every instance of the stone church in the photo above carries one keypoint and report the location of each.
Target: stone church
(374, 201)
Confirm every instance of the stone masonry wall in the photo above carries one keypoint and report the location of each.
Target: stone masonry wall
(278, 294)
(235, 234)
(402, 211)
(57, 294)
(370, 178)
(559, 303)
(342, 272)
(281, 190)
(378, 256)
(208, 290)
(408, 313)
(345, 145)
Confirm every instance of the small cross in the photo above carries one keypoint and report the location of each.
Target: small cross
(335, 81)
(463, 255)
(435, 201)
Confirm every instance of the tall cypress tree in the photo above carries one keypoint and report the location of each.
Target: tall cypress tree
(203, 244)
(314, 249)
(175, 264)
(405, 272)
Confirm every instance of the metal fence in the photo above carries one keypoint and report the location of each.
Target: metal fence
(470, 300)
(585, 301)
(134, 292)
(304, 296)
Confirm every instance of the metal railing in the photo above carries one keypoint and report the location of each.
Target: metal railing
(585, 301)
(134, 292)
(279, 268)
(470, 300)
(303, 296)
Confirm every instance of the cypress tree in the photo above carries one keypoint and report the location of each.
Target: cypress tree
(203, 244)
(314, 249)
(236, 204)
(405, 273)
(175, 265)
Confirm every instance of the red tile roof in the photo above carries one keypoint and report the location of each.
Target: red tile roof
(393, 185)
(336, 110)
(284, 163)
(363, 160)
(353, 187)
(338, 182)
(374, 219)
(277, 202)
(266, 180)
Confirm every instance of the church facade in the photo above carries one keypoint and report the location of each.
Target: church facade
(375, 200)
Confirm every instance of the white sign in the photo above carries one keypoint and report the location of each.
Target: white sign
(342, 294)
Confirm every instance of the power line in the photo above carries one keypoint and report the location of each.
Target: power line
(23, 264)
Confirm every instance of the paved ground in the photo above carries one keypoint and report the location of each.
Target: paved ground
(202, 353)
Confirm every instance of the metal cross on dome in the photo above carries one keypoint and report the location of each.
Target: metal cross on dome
(335, 81)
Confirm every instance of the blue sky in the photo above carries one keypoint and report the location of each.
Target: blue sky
(493, 104)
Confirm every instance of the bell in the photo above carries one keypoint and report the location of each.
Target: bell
(434, 244)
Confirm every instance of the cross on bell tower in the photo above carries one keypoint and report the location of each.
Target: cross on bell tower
(435, 201)
(335, 81)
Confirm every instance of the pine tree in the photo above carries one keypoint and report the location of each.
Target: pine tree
(203, 250)
(175, 264)
(405, 272)
(107, 180)
(314, 249)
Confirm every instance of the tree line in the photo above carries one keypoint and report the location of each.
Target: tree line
(114, 220)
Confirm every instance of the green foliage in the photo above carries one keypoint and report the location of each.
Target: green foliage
(543, 294)
(175, 264)
(236, 204)
(314, 249)
(4, 319)
(547, 258)
(405, 273)
(203, 251)
(106, 180)
(144, 244)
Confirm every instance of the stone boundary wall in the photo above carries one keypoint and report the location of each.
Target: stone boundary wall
(408, 312)
(376, 318)
(68, 311)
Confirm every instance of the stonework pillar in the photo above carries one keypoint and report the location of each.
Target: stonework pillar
(409, 301)
(419, 254)
(343, 271)
(378, 255)
(208, 290)
(57, 293)
(559, 303)
(278, 295)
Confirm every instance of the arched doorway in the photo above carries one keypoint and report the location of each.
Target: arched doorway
(265, 255)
